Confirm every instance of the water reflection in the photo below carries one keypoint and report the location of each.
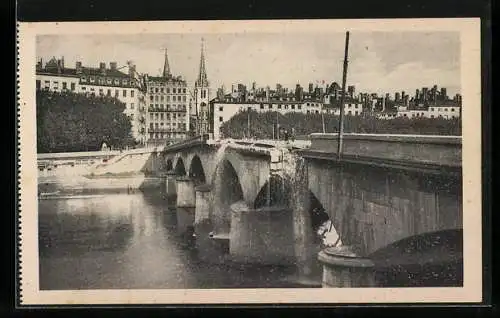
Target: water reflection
(131, 241)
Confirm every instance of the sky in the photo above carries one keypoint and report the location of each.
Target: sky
(378, 61)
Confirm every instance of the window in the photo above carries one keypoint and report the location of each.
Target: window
(432, 116)
(84, 88)
(151, 126)
(162, 98)
(116, 81)
(279, 106)
(173, 90)
(156, 89)
(132, 93)
(299, 106)
(270, 106)
(293, 106)
(168, 98)
(156, 116)
(183, 98)
(317, 112)
(131, 105)
(453, 109)
(161, 116)
(168, 90)
(446, 109)
(221, 108)
(184, 90)
(308, 112)
(108, 81)
(161, 90)
(151, 116)
(101, 92)
(432, 109)
(124, 93)
(221, 119)
(109, 92)
(64, 85)
(349, 113)
(261, 106)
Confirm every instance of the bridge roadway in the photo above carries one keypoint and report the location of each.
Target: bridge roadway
(262, 201)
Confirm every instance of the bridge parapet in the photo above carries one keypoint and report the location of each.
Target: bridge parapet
(407, 151)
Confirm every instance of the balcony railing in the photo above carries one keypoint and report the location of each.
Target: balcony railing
(158, 109)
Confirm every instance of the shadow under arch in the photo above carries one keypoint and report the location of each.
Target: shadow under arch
(227, 190)
(275, 192)
(169, 165)
(196, 171)
(433, 259)
(180, 169)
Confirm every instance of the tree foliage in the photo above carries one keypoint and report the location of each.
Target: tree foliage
(263, 125)
(76, 122)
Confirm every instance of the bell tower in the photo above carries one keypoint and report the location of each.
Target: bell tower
(202, 96)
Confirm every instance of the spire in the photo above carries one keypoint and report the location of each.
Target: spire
(202, 76)
(166, 66)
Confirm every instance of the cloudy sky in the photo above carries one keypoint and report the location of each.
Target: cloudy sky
(378, 61)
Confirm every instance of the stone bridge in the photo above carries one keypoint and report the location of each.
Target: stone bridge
(386, 195)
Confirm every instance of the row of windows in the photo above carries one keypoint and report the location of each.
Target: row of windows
(167, 116)
(55, 85)
(162, 90)
(103, 81)
(161, 125)
(162, 98)
(166, 135)
(439, 109)
(432, 116)
(108, 92)
(181, 107)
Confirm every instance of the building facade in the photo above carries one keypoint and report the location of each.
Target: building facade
(101, 81)
(167, 100)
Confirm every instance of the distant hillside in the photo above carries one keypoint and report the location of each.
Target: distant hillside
(262, 125)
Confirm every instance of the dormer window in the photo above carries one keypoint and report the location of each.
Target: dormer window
(117, 81)
(92, 79)
(108, 81)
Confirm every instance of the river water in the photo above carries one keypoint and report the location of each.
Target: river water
(131, 240)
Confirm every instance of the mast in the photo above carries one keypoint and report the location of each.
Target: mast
(342, 97)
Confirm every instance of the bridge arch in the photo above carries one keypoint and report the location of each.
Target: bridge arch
(227, 191)
(275, 192)
(196, 170)
(180, 168)
(169, 165)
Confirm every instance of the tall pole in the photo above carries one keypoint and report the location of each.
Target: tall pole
(323, 121)
(342, 97)
(248, 123)
(277, 127)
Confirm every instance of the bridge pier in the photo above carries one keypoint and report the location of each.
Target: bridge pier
(263, 236)
(170, 186)
(302, 227)
(186, 194)
(343, 268)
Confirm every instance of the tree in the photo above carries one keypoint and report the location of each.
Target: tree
(76, 122)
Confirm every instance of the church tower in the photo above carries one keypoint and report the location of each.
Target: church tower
(166, 67)
(202, 96)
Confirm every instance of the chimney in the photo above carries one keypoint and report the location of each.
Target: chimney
(112, 66)
(62, 62)
(78, 67)
(59, 66)
(102, 68)
(383, 103)
(131, 70)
